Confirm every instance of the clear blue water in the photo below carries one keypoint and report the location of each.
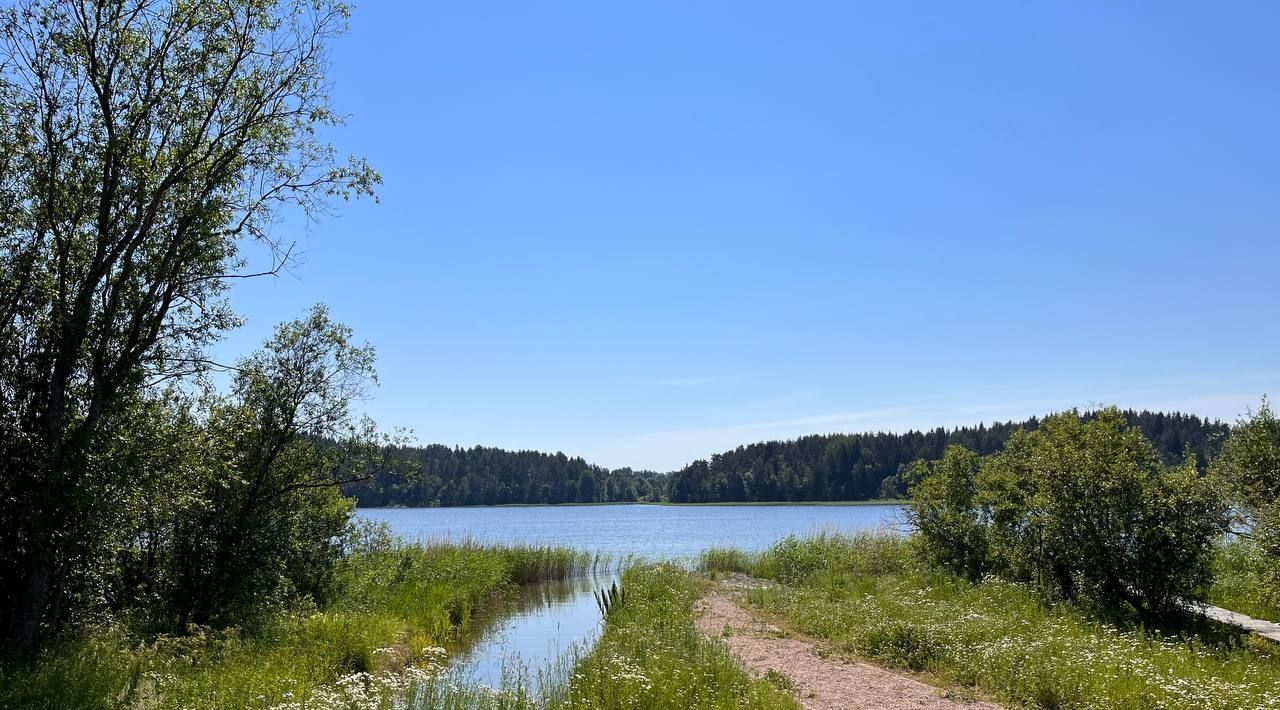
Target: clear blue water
(651, 531)
(532, 632)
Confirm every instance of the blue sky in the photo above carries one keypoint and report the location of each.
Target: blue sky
(646, 234)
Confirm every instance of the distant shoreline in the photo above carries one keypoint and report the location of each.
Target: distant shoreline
(758, 504)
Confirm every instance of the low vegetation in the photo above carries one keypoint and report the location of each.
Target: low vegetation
(873, 596)
(400, 608)
(651, 656)
(1243, 580)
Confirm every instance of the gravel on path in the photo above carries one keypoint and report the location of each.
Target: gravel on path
(819, 683)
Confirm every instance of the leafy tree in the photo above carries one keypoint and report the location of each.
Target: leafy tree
(269, 519)
(144, 144)
(241, 510)
(1086, 510)
(951, 528)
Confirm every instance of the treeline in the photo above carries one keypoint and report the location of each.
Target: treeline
(841, 467)
(439, 475)
(827, 467)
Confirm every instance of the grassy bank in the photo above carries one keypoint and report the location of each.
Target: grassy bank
(651, 656)
(400, 606)
(868, 596)
(387, 638)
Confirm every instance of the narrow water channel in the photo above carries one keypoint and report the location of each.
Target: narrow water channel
(531, 631)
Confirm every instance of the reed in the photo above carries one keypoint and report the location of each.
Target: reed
(610, 600)
(397, 603)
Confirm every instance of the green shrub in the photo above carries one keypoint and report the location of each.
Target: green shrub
(1081, 510)
(951, 528)
(1085, 510)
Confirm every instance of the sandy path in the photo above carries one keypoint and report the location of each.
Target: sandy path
(820, 683)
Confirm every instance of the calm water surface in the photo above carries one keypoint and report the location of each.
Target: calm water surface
(652, 531)
(533, 630)
(530, 632)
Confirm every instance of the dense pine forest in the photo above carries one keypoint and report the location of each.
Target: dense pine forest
(438, 475)
(824, 467)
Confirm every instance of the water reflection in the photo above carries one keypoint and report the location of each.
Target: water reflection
(529, 631)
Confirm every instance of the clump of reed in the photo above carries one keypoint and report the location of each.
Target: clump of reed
(610, 600)
(393, 600)
(796, 557)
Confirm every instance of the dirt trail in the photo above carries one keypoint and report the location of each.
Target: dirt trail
(820, 683)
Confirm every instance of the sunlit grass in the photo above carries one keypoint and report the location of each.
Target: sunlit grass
(398, 603)
(1240, 572)
(651, 656)
(868, 596)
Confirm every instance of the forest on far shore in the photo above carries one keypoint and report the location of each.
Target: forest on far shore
(821, 467)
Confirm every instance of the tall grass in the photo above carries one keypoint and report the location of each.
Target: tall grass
(867, 595)
(651, 656)
(399, 604)
(1241, 581)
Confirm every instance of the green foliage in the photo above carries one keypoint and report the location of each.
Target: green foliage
(843, 467)
(266, 523)
(396, 604)
(237, 511)
(1081, 508)
(147, 146)
(950, 525)
(651, 656)
(1250, 468)
(1250, 460)
(1002, 639)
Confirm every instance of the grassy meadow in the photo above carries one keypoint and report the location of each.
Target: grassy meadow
(868, 596)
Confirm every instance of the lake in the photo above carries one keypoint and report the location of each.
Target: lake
(533, 630)
(651, 531)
